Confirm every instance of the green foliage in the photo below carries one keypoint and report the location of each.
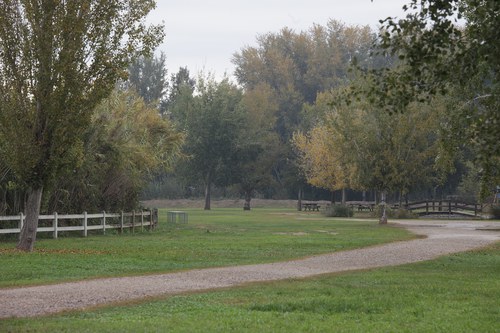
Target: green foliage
(495, 211)
(339, 211)
(148, 77)
(213, 122)
(58, 60)
(398, 213)
(440, 57)
(125, 145)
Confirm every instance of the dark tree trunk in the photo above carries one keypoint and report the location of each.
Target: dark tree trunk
(28, 232)
(208, 190)
(344, 196)
(299, 203)
(248, 198)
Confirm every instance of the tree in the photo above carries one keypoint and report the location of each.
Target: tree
(296, 66)
(148, 77)
(126, 143)
(363, 147)
(439, 56)
(212, 122)
(257, 151)
(58, 60)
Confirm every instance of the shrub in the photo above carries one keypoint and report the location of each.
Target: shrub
(339, 211)
(495, 212)
(399, 213)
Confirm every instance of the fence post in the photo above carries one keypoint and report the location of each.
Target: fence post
(55, 225)
(84, 224)
(151, 223)
(142, 220)
(121, 222)
(133, 221)
(155, 217)
(449, 207)
(21, 223)
(104, 223)
(427, 207)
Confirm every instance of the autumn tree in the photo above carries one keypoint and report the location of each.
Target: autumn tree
(362, 147)
(296, 66)
(58, 60)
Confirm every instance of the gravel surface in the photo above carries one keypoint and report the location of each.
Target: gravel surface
(442, 237)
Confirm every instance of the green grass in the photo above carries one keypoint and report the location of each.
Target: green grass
(219, 237)
(457, 293)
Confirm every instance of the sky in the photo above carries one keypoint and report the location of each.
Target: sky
(203, 35)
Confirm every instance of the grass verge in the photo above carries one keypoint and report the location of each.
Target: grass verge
(220, 237)
(457, 293)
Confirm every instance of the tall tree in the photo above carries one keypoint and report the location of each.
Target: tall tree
(445, 46)
(148, 77)
(257, 151)
(297, 66)
(212, 122)
(58, 60)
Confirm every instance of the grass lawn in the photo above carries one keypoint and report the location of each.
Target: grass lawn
(220, 237)
(457, 293)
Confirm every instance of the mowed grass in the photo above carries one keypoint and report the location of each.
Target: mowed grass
(220, 237)
(457, 293)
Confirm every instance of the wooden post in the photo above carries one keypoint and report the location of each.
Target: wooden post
(155, 217)
(449, 207)
(133, 221)
(121, 222)
(55, 225)
(151, 223)
(21, 222)
(104, 223)
(142, 220)
(427, 207)
(84, 224)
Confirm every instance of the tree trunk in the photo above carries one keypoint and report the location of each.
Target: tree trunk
(344, 196)
(208, 189)
(248, 198)
(299, 203)
(383, 218)
(28, 232)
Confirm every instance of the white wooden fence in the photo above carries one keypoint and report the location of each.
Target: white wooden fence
(85, 222)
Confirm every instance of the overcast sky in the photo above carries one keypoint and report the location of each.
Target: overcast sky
(204, 34)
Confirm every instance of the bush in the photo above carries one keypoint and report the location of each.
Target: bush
(495, 212)
(400, 213)
(339, 211)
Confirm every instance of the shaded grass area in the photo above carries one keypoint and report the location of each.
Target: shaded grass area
(219, 237)
(457, 293)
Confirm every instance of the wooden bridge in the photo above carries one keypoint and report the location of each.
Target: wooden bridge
(444, 207)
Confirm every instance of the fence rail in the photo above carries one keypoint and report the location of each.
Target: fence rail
(429, 207)
(84, 222)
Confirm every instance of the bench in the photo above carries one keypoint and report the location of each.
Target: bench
(311, 206)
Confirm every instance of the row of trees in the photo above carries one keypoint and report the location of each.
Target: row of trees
(87, 137)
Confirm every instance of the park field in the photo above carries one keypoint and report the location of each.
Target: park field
(220, 237)
(456, 293)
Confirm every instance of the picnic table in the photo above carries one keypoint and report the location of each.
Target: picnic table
(311, 206)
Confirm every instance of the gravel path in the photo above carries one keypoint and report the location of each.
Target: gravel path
(442, 237)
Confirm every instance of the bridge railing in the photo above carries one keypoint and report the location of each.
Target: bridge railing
(444, 206)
